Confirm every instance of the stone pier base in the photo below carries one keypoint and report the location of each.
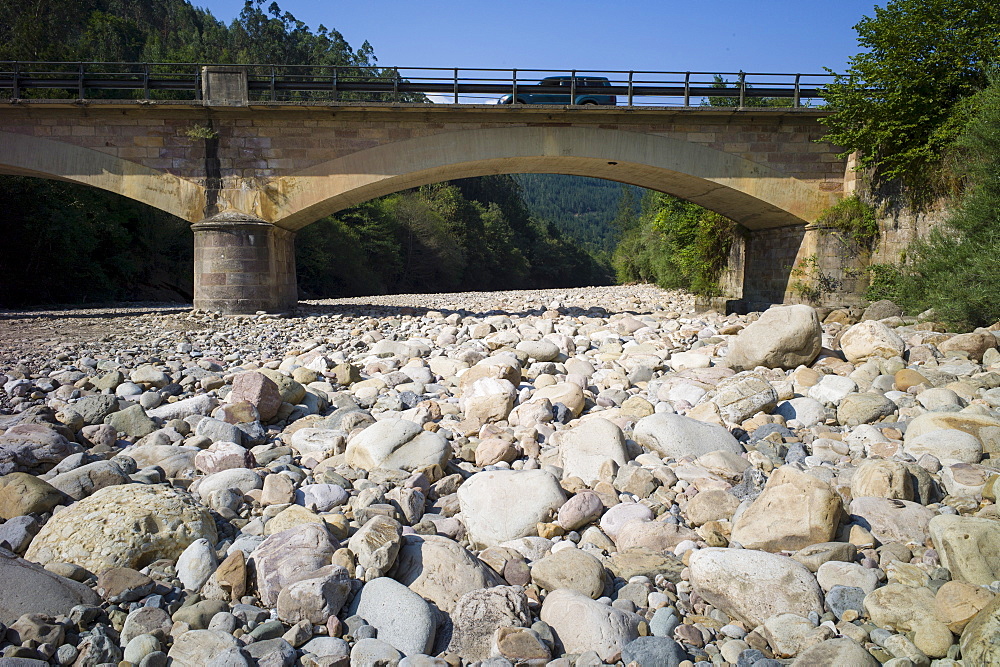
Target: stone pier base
(243, 265)
(796, 264)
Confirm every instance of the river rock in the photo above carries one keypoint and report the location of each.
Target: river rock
(956, 603)
(946, 445)
(499, 506)
(743, 396)
(316, 598)
(585, 506)
(583, 624)
(396, 444)
(30, 589)
(196, 564)
(968, 546)
(882, 479)
(321, 497)
(661, 651)
(488, 400)
(196, 405)
(258, 390)
(983, 427)
(978, 641)
(132, 421)
(83, 481)
(223, 455)
(243, 479)
(586, 447)
(674, 436)
(711, 505)
(753, 586)
(794, 510)
(151, 621)
(33, 448)
(572, 569)
(974, 344)
(21, 493)
(290, 390)
(850, 575)
(375, 545)
(196, 648)
(615, 519)
(176, 461)
(94, 409)
(128, 525)
(783, 337)
(402, 618)
(892, 520)
(479, 613)
(871, 339)
(440, 570)
(290, 556)
(857, 409)
(654, 535)
(834, 653)
(807, 411)
(910, 609)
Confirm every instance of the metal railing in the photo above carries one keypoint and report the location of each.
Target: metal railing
(349, 84)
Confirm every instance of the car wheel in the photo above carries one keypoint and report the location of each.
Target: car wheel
(589, 103)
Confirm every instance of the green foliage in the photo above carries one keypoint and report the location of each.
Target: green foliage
(954, 269)
(885, 281)
(727, 101)
(472, 234)
(69, 243)
(854, 218)
(591, 211)
(809, 282)
(676, 244)
(905, 98)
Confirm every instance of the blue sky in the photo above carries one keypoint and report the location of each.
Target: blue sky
(666, 35)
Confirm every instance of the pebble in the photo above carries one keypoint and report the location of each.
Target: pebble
(442, 478)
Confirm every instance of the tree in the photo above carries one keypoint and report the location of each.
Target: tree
(906, 98)
(954, 271)
(748, 101)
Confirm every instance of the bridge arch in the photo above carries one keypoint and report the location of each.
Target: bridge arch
(753, 194)
(25, 155)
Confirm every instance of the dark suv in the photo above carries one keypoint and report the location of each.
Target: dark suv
(557, 90)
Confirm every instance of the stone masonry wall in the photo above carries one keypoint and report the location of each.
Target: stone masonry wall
(255, 143)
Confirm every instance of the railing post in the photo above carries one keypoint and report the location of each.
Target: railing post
(572, 86)
(743, 89)
(687, 89)
(225, 85)
(795, 100)
(274, 96)
(80, 83)
(456, 85)
(395, 84)
(513, 74)
(197, 83)
(630, 87)
(145, 80)
(336, 72)
(16, 94)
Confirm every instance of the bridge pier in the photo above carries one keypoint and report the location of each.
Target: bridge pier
(243, 265)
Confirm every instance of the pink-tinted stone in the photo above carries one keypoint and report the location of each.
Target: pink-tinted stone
(223, 456)
(259, 391)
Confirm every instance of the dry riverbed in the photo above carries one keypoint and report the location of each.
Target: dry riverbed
(563, 477)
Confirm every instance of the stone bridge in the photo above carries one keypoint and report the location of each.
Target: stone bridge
(249, 175)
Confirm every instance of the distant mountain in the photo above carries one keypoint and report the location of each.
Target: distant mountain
(581, 208)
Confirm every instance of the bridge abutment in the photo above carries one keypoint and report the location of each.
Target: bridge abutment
(243, 265)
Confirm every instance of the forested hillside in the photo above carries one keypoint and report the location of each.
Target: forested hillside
(69, 243)
(584, 209)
